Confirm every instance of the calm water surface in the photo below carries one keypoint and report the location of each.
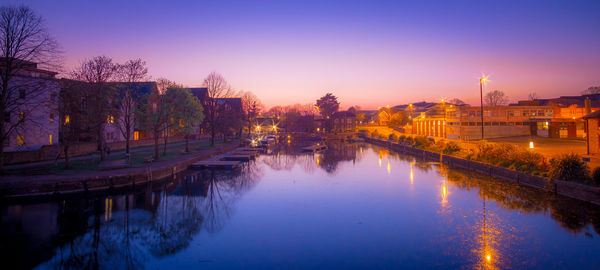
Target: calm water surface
(352, 207)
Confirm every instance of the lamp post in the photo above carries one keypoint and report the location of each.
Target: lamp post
(444, 123)
(481, 81)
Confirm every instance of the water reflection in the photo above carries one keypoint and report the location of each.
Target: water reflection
(466, 219)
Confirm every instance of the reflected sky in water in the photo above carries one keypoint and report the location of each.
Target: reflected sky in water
(353, 206)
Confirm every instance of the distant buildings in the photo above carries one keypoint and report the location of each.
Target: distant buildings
(554, 118)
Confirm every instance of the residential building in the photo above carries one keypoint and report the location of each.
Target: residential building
(344, 121)
(33, 116)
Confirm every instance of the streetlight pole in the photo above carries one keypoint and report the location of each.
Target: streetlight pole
(481, 80)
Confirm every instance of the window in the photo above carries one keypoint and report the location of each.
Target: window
(22, 93)
(154, 107)
(511, 113)
(20, 140)
(50, 138)
(7, 117)
(110, 119)
(525, 113)
(136, 135)
(67, 119)
(51, 118)
(21, 116)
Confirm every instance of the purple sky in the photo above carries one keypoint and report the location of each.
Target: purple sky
(367, 53)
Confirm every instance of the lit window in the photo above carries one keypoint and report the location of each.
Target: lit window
(181, 123)
(50, 138)
(110, 119)
(136, 135)
(67, 119)
(20, 140)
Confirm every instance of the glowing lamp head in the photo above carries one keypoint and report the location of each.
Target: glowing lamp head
(483, 79)
(530, 144)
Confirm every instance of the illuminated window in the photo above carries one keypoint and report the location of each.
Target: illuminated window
(136, 135)
(67, 119)
(110, 119)
(50, 138)
(181, 123)
(20, 140)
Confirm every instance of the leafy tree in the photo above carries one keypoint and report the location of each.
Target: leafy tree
(327, 106)
(187, 111)
(495, 98)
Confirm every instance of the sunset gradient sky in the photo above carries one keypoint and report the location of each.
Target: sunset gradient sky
(368, 53)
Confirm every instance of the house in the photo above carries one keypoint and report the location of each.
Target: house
(33, 116)
(344, 121)
(229, 110)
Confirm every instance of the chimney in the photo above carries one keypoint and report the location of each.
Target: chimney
(588, 106)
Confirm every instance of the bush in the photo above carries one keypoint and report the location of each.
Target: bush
(401, 138)
(511, 156)
(569, 167)
(451, 148)
(422, 142)
(375, 134)
(393, 137)
(596, 176)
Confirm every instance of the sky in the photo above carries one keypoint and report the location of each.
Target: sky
(367, 53)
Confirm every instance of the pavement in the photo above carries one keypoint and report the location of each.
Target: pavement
(95, 155)
(79, 176)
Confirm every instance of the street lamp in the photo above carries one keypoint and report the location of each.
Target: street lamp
(481, 81)
(444, 123)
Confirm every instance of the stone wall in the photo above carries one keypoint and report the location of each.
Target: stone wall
(564, 188)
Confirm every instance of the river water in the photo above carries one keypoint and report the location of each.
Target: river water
(354, 206)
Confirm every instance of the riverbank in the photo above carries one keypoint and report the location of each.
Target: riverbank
(49, 185)
(569, 189)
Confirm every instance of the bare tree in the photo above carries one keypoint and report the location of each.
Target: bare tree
(533, 96)
(456, 101)
(163, 84)
(131, 73)
(495, 98)
(100, 98)
(217, 88)
(24, 41)
(592, 90)
(251, 106)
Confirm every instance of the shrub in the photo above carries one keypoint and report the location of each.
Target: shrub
(569, 167)
(375, 134)
(401, 138)
(451, 148)
(511, 156)
(421, 141)
(393, 137)
(596, 176)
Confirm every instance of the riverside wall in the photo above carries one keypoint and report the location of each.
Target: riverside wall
(103, 180)
(569, 189)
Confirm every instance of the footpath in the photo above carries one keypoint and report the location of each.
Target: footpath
(46, 185)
